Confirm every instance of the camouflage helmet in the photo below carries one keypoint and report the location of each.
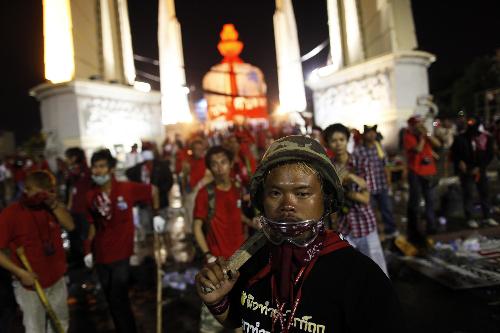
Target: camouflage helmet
(298, 148)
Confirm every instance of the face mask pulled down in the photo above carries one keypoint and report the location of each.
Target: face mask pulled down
(101, 180)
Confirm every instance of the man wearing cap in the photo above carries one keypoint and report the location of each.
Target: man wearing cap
(304, 278)
(371, 150)
(418, 145)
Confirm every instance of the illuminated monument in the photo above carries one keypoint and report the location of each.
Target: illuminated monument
(375, 75)
(234, 88)
(90, 100)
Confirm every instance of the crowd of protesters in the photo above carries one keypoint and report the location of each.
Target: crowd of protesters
(214, 169)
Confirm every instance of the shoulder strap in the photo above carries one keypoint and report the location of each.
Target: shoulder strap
(211, 201)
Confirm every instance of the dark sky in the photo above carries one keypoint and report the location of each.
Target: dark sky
(456, 31)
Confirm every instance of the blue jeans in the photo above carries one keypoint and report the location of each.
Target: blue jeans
(382, 200)
(370, 246)
(420, 186)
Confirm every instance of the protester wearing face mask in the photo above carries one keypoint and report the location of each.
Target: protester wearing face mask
(109, 210)
(305, 276)
(34, 223)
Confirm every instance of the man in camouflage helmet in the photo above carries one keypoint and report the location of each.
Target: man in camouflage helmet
(306, 278)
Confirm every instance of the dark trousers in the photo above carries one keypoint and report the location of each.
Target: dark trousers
(382, 200)
(76, 238)
(7, 303)
(114, 280)
(468, 183)
(420, 186)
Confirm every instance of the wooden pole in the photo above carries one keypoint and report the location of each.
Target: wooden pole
(159, 286)
(41, 293)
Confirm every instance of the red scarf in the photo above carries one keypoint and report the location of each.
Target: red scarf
(288, 260)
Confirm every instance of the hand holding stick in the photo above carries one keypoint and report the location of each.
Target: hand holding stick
(41, 294)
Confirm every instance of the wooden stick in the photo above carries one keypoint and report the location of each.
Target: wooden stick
(159, 285)
(41, 293)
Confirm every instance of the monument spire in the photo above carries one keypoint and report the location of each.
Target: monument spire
(292, 94)
(174, 101)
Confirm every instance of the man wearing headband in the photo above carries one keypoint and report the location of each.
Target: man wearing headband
(305, 278)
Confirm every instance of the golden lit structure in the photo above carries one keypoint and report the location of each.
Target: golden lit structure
(58, 41)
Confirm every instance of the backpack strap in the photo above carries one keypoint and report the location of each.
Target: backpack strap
(211, 202)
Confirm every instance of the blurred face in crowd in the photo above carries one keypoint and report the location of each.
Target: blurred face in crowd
(100, 168)
(338, 142)
(32, 188)
(233, 145)
(292, 192)
(220, 166)
(447, 123)
(316, 135)
(198, 150)
(71, 161)
(370, 136)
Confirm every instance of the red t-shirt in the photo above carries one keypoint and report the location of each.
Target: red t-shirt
(80, 185)
(30, 228)
(114, 239)
(225, 234)
(197, 172)
(421, 163)
(180, 156)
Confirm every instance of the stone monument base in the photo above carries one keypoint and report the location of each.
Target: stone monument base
(92, 115)
(383, 90)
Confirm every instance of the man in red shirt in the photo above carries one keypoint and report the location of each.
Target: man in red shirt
(78, 184)
(218, 225)
(109, 210)
(244, 163)
(418, 146)
(34, 224)
(195, 176)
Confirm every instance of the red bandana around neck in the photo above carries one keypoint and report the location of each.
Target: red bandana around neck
(287, 261)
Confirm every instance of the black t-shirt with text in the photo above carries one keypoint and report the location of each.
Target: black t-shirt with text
(344, 292)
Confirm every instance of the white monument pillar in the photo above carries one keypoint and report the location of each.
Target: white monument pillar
(353, 36)
(174, 101)
(290, 77)
(382, 76)
(335, 32)
(126, 42)
(89, 60)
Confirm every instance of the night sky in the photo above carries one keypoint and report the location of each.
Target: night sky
(455, 31)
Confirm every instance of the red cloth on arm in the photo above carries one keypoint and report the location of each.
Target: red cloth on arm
(415, 159)
(21, 226)
(114, 239)
(225, 233)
